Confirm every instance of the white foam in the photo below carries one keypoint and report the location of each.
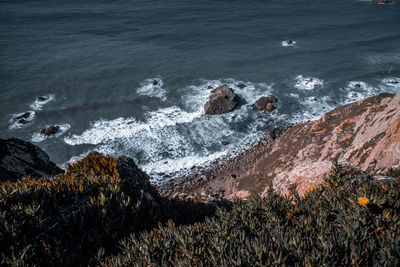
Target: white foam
(307, 83)
(176, 138)
(312, 108)
(357, 90)
(152, 87)
(391, 84)
(39, 137)
(285, 43)
(38, 105)
(15, 124)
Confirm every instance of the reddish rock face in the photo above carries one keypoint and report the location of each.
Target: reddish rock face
(51, 130)
(364, 135)
(222, 100)
(265, 103)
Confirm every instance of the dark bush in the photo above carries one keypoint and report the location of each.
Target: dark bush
(351, 220)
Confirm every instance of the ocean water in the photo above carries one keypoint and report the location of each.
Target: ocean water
(131, 77)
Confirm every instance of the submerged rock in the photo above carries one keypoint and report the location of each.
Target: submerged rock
(23, 118)
(51, 130)
(241, 85)
(222, 100)
(20, 159)
(42, 98)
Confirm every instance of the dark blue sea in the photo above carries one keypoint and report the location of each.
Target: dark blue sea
(131, 77)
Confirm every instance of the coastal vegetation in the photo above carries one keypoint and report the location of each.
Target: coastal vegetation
(103, 211)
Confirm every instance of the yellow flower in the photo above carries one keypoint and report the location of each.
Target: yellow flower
(363, 201)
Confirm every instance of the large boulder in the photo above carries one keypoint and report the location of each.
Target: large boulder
(20, 159)
(222, 100)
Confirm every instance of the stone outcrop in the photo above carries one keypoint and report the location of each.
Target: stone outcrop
(51, 130)
(265, 103)
(20, 159)
(364, 135)
(222, 100)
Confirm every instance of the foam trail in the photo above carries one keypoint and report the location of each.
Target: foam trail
(41, 101)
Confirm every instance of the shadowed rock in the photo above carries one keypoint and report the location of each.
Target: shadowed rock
(20, 159)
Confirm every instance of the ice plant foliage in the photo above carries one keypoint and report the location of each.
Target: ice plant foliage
(91, 215)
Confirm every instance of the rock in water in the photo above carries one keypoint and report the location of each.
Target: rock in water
(241, 85)
(272, 99)
(265, 103)
(222, 100)
(382, 1)
(23, 118)
(20, 159)
(42, 98)
(51, 130)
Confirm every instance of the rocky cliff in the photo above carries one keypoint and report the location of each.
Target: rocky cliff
(364, 135)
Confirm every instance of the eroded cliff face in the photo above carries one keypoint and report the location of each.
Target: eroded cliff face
(364, 134)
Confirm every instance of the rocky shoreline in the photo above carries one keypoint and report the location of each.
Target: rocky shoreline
(364, 135)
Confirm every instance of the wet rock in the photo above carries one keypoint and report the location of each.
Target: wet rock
(209, 87)
(222, 100)
(20, 159)
(155, 82)
(260, 104)
(357, 85)
(23, 119)
(265, 103)
(42, 98)
(272, 99)
(51, 130)
(270, 107)
(289, 41)
(225, 143)
(241, 85)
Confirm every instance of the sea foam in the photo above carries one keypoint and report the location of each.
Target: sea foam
(152, 87)
(307, 83)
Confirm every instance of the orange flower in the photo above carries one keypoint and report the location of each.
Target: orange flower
(363, 201)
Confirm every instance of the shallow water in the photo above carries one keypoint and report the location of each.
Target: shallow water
(96, 62)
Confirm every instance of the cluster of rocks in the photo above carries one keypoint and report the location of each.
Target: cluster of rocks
(24, 118)
(223, 100)
(265, 103)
